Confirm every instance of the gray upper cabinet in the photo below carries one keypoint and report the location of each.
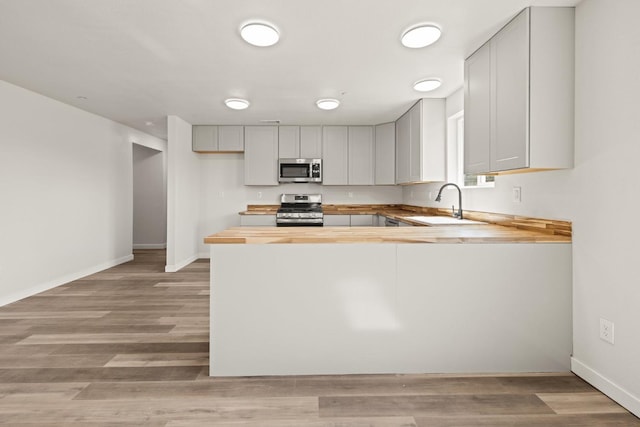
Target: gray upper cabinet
(261, 155)
(335, 157)
(311, 142)
(385, 154)
(214, 139)
(403, 143)
(361, 155)
(420, 143)
(231, 138)
(477, 111)
(300, 142)
(289, 142)
(348, 155)
(519, 94)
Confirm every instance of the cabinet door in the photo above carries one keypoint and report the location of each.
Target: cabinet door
(335, 160)
(311, 142)
(402, 149)
(415, 143)
(337, 220)
(205, 138)
(385, 154)
(231, 138)
(362, 220)
(258, 220)
(289, 142)
(261, 155)
(477, 111)
(510, 61)
(361, 155)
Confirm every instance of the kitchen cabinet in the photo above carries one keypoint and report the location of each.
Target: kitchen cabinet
(261, 155)
(213, 139)
(300, 142)
(288, 142)
(519, 94)
(420, 143)
(362, 220)
(337, 220)
(385, 154)
(361, 155)
(311, 142)
(335, 155)
(258, 220)
(348, 155)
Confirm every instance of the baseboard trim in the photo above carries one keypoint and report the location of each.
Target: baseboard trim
(177, 267)
(149, 246)
(608, 387)
(33, 290)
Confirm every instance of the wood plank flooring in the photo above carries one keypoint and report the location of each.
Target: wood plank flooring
(129, 346)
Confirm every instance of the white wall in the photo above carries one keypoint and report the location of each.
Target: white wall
(183, 196)
(599, 196)
(65, 192)
(224, 194)
(606, 282)
(149, 198)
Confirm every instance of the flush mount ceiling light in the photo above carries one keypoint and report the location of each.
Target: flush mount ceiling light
(259, 34)
(237, 103)
(421, 36)
(327, 104)
(427, 85)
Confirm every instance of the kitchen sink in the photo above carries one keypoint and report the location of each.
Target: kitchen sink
(443, 220)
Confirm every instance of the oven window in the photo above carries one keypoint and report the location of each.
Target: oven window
(294, 170)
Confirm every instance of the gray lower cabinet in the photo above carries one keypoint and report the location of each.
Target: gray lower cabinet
(214, 139)
(261, 155)
(258, 220)
(337, 220)
(363, 220)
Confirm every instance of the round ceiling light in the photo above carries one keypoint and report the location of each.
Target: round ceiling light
(236, 103)
(327, 104)
(421, 36)
(259, 34)
(427, 85)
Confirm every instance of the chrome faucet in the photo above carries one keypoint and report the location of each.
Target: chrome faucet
(439, 198)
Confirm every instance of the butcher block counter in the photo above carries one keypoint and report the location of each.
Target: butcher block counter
(368, 300)
(434, 234)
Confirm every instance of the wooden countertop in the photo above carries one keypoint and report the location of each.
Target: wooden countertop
(439, 234)
(403, 212)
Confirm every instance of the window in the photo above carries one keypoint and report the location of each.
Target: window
(455, 157)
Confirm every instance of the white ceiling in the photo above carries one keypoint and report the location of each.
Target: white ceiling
(140, 60)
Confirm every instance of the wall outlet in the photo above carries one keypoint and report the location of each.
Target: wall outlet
(259, 194)
(430, 195)
(411, 194)
(517, 194)
(606, 330)
(350, 194)
(221, 194)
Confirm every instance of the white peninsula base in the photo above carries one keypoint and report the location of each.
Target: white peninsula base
(296, 309)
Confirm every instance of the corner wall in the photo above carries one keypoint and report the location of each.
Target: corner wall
(183, 196)
(149, 198)
(65, 192)
(599, 196)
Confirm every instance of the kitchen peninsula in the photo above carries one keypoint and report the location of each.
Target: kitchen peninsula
(355, 300)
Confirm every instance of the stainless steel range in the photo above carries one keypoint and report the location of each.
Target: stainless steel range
(300, 210)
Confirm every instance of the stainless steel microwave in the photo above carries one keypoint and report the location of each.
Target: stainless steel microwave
(300, 170)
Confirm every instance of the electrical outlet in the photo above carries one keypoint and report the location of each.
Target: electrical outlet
(221, 194)
(259, 194)
(517, 194)
(411, 194)
(350, 194)
(606, 330)
(430, 195)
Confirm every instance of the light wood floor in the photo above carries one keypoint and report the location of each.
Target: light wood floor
(129, 346)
